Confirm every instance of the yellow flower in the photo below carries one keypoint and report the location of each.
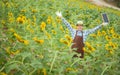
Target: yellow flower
(35, 38)
(61, 40)
(11, 19)
(21, 19)
(87, 43)
(76, 70)
(53, 31)
(23, 10)
(15, 52)
(98, 21)
(98, 33)
(12, 30)
(28, 27)
(8, 50)
(48, 21)
(34, 10)
(3, 22)
(33, 23)
(44, 71)
(111, 51)
(91, 48)
(54, 25)
(18, 37)
(34, 18)
(98, 45)
(115, 46)
(107, 46)
(58, 20)
(73, 26)
(8, 4)
(40, 41)
(103, 33)
(65, 42)
(84, 48)
(68, 38)
(12, 52)
(32, 31)
(69, 69)
(114, 35)
(10, 14)
(112, 30)
(108, 38)
(93, 35)
(48, 35)
(111, 46)
(42, 26)
(41, 56)
(61, 28)
(2, 73)
(26, 42)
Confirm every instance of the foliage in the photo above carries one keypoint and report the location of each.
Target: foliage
(33, 41)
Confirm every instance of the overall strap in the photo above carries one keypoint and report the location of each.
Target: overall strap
(77, 32)
(82, 33)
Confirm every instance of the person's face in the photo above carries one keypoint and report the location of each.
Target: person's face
(79, 27)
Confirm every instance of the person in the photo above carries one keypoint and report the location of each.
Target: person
(79, 35)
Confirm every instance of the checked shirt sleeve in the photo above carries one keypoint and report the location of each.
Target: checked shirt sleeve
(68, 26)
(89, 31)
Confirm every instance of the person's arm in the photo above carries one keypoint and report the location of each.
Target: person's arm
(89, 31)
(66, 23)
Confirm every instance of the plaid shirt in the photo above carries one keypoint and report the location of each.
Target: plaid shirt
(79, 33)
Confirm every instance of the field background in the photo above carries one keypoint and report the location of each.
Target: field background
(34, 41)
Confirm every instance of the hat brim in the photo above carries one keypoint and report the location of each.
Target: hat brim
(79, 24)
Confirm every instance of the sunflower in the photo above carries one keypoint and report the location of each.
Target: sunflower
(53, 31)
(114, 35)
(26, 42)
(48, 35)
(111, 46)
(93, 35)
(44, 71)
(68, 38)
(69, 69)
(103, 33)
(42, 26)
(99, 33)
(64, 41)
(18, 37)
(21, 19)
(108, 38)
(61, 28)
(40, 41)
(48, 21)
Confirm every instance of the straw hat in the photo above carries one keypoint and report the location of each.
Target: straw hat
(79, 23)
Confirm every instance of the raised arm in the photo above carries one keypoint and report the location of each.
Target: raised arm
(89, 31)
(66, 23)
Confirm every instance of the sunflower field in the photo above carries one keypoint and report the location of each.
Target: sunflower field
(34, 41)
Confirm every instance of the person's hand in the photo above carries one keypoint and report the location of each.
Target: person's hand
(59, 14)
(104, 23)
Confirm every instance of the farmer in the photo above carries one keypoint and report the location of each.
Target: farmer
(78, 35)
